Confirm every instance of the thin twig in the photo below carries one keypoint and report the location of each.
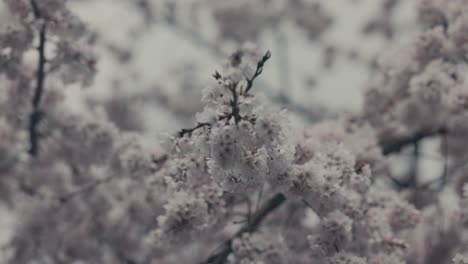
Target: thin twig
(258, 71)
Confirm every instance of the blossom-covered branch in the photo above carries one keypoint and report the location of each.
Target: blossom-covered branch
(233, 87)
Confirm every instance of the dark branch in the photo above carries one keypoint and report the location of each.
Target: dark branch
(397, 145)
(36, 113)
(189, 131)
(35, 9)
(26, 189)
(251, 226)
(258, 71)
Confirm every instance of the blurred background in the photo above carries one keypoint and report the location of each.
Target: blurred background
(155, 56)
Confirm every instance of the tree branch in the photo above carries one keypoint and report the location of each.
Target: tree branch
(251, 226)
(397, 145)
(36, 113)
(189, 131)
(258, 71)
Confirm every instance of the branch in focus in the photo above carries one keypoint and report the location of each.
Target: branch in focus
(234, 102)
(258, 71)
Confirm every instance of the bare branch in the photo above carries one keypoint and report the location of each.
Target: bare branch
(36, 113)
(258, 71)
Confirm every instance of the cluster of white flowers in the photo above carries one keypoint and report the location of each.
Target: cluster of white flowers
(334, 233)
(237, 146)
(345, 258)
(356, 134)
(420, 91)
(70, 59)
(460, 259)
(424, 75)
(258, 248)
(184, 214)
